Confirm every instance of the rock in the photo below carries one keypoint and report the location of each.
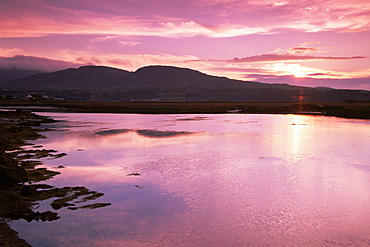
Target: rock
(9, 237)
(44, 216)
(7, 160)
(10, 172)
(9, 176)
(27, 191)
(134, 174)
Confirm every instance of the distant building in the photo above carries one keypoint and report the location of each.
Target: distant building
(35, 96)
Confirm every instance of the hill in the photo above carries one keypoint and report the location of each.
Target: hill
(13, 74)
(165, 83)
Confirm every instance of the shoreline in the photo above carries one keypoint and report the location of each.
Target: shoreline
(22, 181)
(9, 237)
(16, 128)
(348, 109)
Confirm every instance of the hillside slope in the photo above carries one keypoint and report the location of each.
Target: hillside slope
(165, 83)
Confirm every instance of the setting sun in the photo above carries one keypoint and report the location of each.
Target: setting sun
(299, 71)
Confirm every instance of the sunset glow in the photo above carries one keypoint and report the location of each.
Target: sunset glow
(308, 43)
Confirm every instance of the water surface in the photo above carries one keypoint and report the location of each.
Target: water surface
(210, 180)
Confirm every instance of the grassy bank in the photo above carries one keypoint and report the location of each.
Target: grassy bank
(360, 110)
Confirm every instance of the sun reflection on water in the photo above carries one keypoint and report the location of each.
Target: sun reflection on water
(300, 130)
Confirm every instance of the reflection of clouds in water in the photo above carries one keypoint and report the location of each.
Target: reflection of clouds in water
(121, 138)
(145, 133)
(158, 134)
(112, 131)
(68, 125)
(362, 167)
(118, 147)
(135, 216)
(192, 119)
(246, 122)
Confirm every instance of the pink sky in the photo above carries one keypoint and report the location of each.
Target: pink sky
(310, 43)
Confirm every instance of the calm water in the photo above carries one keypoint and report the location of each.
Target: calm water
(210, 180)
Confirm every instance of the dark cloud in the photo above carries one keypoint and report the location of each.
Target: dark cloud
(242, 70)
(357, 30)
(302, 50)
(21, 62)
(285, 57)
(322, 74)
(354, 83)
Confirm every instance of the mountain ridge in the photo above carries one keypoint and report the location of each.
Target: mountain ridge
(165, 83)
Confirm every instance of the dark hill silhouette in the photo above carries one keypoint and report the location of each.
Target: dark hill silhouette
(86, 77)
(166, 83)
(13, 74)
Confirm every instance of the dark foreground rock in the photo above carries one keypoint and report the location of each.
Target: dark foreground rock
(9, 237)
(19, 200)
(10, 173)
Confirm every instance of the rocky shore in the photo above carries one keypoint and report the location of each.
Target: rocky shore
(15, 129)
(9, 237)
(20, 176)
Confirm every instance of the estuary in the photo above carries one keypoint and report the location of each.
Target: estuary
(209, 180)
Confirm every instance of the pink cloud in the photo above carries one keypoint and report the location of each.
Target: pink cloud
(286, 57)
(9, 52)
(324, 74)
(134, 61)
(120, 62)
(301, 49)
(345, 83)
(34, 63)
(357, 30)
(168, 18)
